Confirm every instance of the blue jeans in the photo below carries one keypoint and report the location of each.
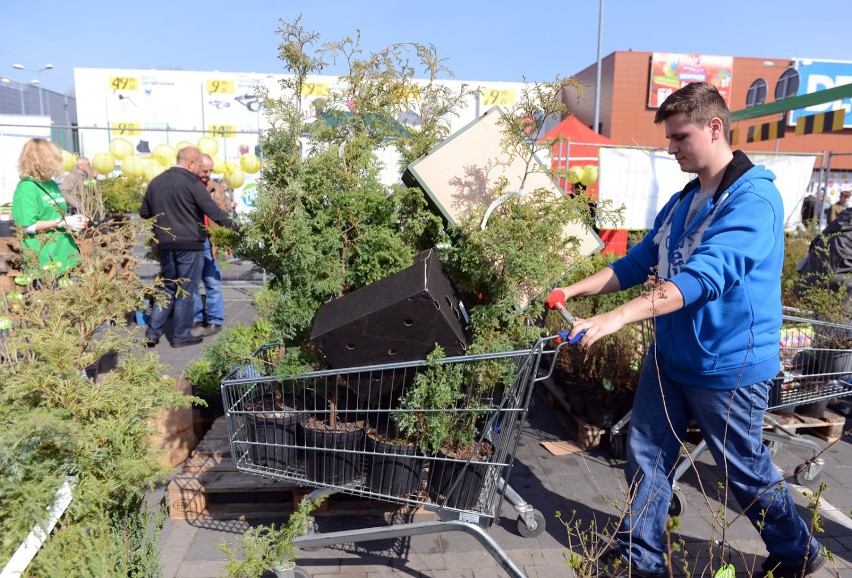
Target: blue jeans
(211, 276)
(731, 422)
(186, 267)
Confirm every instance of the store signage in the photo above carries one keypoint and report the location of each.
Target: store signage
(670, 71)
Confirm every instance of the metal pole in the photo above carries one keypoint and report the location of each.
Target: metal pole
(40, 104)
(596, 126)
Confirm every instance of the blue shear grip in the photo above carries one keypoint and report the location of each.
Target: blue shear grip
(576, 339)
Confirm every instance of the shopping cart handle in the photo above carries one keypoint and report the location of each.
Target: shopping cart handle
(563, 336)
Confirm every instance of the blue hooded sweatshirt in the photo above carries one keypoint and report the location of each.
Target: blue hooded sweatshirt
(727, 332)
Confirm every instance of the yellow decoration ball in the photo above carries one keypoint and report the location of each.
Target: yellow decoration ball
(165, 155)
(590, 175)
(103, 163)
(574, 174)
(120, 148)
(132, 167)
(208, 145)
(151, 170)
(183, 144)
(235, 178)
(229, 168)
(250, 163)
(218, 165)
(69, 161)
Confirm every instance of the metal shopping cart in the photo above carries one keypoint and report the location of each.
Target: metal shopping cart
(813, 370)
(375, 432)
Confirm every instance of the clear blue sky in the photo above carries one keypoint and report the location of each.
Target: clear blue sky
(496, 40)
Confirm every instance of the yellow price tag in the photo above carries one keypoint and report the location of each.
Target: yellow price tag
(497, 97)
(315, 89)
(413, 93)
(222, 130)
(126, 128)
(220, 87)
(123, 83)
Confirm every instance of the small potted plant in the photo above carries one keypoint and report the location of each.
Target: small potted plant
(441, 412)
(271, 547)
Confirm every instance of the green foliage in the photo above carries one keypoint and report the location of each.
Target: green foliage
(430, 398)
(262, 547)
(57, 422)
(111, 196)
(233, 347)
(121, 194)
(324, 224)
(795, 248)
(108, 545)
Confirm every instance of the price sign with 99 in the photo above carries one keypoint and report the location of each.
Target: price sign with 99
(220, 87)
(126, 128)
(315, 89)
(497, 97)
(123, 83)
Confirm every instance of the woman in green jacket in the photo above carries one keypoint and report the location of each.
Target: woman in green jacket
(39, 208)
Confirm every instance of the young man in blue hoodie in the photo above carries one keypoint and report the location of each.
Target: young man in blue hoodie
(715, 255)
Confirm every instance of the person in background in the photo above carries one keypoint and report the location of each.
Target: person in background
(38, 207)
(178, 202)
(715, 296)
(839, 206)
(809, 211)
(72, 185)
(211, 274)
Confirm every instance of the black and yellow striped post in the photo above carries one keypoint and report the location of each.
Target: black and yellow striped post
(766, 131)
(823, 122)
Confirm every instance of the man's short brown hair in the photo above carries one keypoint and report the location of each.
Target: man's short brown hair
(700, 101)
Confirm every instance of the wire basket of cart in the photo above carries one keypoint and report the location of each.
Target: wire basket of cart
(439, 434)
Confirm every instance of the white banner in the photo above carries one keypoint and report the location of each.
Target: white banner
(642, 180)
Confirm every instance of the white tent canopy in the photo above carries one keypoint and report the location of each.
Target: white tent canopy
(644, 179)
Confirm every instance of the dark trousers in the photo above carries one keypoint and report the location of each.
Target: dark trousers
(178, 269)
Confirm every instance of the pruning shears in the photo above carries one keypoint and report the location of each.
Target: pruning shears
(563, 335)
(556, 300)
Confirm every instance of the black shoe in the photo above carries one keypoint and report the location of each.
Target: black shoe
(792, 570)
(151, 342)
(612, 564)
(211, 329)
(185, 342)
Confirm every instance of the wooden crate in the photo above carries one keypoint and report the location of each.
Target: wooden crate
(588, 436)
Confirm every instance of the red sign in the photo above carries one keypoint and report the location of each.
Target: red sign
(670, 72)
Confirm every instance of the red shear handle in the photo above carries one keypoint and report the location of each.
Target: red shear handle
(556, 297)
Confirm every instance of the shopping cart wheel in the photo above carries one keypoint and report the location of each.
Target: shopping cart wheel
(618, 445)
(525, 530)
(807, 473)
(677, 504)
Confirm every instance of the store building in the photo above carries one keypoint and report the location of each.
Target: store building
(633, 83)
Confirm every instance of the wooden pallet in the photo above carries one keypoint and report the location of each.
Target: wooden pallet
(210, 487)
(9, 254)
(588, 436)
(829, 428)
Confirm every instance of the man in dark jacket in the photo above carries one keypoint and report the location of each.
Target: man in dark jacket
(178, 201)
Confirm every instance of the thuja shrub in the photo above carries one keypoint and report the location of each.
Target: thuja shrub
(59, 423)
